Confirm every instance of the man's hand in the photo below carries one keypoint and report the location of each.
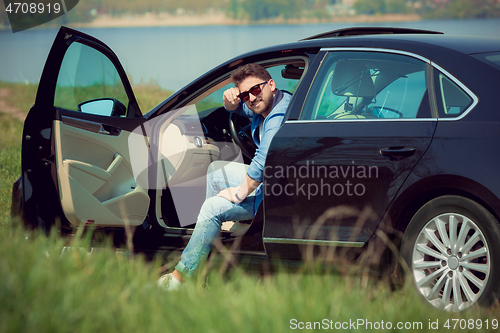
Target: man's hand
(231, 99)
(239, 193)
(230, 194)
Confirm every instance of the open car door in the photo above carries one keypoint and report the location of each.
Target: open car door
(76, 160)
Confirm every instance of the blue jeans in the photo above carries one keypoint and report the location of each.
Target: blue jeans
(215, 210)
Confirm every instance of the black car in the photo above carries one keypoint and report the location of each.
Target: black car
(389, 132)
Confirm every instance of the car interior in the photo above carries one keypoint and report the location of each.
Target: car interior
(353, 86)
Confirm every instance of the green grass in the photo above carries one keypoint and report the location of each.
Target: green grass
(21, 95)
(44, 291)
(10, 162)
(149, 95)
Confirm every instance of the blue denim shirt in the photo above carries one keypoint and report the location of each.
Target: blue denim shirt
(271, 125)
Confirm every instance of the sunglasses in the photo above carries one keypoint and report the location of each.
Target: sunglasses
(255, 90)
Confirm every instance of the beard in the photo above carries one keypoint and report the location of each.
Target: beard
(261, 104)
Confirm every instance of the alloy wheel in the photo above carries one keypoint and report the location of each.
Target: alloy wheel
(451, 262)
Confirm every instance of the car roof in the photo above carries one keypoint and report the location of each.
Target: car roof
(462, 44)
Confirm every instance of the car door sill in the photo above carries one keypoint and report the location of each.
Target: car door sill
(311, 242)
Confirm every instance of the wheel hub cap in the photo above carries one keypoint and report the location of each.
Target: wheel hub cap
(453, 262)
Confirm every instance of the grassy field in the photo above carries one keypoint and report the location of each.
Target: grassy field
(10, 162)
(45, 290)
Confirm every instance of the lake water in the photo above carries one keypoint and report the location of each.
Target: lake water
(174, 56)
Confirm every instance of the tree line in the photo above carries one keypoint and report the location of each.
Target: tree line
(257, 10)
(431, 8)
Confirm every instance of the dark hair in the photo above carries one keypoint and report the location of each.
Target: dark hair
(241, 73)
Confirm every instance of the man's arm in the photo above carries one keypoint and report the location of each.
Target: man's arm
(239, 193)
(256, 168)
(233, 103)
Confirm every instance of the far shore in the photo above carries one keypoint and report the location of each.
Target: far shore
(165, 19)
(217, 18)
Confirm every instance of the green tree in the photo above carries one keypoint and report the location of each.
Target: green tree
(461, 9)
(396, 6)
(380, 6)
(474, 8)
(235, 9)
(369, 6)
(256, 10)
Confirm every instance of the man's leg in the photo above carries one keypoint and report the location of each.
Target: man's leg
(214, 211)
(223, 174)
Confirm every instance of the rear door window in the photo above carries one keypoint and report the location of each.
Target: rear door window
(368, 85)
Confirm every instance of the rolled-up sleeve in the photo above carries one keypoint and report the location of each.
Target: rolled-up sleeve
(272, 124)
(242, 110)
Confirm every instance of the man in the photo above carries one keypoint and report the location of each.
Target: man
(234, 189)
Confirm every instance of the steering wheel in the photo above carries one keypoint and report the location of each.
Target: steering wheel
(240, 130)
(385, 113)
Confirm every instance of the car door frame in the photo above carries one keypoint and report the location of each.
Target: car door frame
(207, 82)
(40, 190)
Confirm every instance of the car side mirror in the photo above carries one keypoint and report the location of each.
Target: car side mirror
(103, 107)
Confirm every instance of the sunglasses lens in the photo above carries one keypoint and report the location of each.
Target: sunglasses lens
(244, 96)
(255, 90)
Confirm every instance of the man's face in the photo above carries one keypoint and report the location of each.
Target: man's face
(262, 103)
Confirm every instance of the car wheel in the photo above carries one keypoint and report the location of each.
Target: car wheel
(452, 248)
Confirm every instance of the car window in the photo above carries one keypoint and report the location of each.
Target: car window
(89, 82)
(368, 85)
(215, 99)
(283, 83)
(453, 100)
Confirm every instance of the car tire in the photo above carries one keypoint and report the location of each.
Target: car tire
(453, 270)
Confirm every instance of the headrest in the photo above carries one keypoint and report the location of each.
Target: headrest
(352, 78)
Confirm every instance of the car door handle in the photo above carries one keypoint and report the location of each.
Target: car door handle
(103, 131)
(91, 126)
(117, 159)
(109, 130)
(397, 153)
